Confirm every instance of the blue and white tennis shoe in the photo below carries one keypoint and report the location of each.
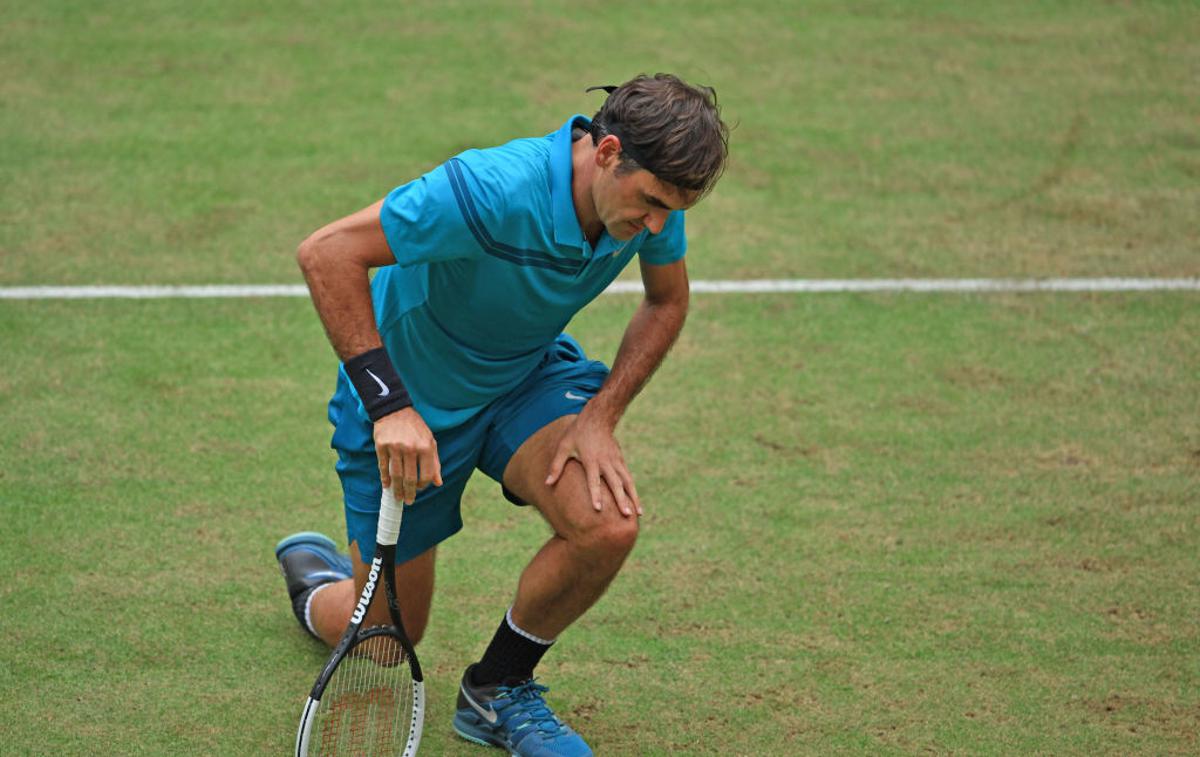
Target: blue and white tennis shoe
(308, 560)
(515, 718)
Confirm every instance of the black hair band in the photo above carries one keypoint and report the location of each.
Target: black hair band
(601, 128)
(377, 383)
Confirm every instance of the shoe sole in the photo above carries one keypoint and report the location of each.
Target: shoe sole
(480, 740)
(305, 537)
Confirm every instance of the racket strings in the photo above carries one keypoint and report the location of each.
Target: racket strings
(367, 708)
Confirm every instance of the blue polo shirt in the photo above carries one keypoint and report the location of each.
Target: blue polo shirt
(491, 265)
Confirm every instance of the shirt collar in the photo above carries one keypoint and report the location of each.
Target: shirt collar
(566, 224)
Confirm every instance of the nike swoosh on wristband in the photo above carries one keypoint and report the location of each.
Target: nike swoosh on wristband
(487, 714)
(383, 390)
(573, 396)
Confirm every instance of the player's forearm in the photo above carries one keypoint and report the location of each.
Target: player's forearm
(648, 338)
(341, 293)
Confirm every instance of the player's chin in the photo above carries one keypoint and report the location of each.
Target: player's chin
(625, 231)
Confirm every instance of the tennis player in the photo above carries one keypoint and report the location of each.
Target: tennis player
(454, 359)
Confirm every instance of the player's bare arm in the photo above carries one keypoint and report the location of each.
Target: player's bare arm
(648, 338)
(336, 260)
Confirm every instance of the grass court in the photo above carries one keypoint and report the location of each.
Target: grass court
(876, 523)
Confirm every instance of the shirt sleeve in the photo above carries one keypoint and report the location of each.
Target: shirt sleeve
(424, 223)
(668, 245)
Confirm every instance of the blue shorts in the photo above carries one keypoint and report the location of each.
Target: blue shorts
(561, 384)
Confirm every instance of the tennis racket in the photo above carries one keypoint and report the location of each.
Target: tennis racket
(369, 700)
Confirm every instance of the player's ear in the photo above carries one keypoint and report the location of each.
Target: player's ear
(608, 151)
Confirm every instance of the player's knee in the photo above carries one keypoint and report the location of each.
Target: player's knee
(613, 538)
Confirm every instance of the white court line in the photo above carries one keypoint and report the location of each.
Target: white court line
(746, 286)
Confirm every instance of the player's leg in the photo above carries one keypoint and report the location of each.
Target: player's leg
(331, 608)
(571, 570)
(434, 516)
(311, 565)
(587, 549)
(324, 586)
(499, 702)
(332, 582)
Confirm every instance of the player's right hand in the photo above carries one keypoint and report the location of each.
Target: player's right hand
(407, 452)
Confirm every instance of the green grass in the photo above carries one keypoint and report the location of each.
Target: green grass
(875, 523)
(897, 523)
(199, 142)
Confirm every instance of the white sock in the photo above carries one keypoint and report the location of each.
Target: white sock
(308, 608)
(522, 632)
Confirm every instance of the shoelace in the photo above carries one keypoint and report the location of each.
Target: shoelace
(528, 697)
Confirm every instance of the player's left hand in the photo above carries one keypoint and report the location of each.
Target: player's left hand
(591, 442)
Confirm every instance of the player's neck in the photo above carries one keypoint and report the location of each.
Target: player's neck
(583, 167)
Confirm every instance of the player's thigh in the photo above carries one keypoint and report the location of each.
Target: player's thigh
(527, 427)
(567, 505)
(414, 590)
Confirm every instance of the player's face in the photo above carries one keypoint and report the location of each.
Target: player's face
(630, 202)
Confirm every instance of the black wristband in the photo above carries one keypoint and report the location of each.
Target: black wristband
(378, 385)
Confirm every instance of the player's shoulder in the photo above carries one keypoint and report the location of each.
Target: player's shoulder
(514, 171)
(504, 190)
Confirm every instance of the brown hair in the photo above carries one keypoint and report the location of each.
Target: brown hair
(667, 126)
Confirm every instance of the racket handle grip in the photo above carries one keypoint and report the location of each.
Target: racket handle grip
(389, 519)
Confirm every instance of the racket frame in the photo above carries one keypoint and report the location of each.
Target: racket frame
(384, 562)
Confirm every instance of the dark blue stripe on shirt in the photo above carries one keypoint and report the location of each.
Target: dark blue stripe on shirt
(466, 206)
